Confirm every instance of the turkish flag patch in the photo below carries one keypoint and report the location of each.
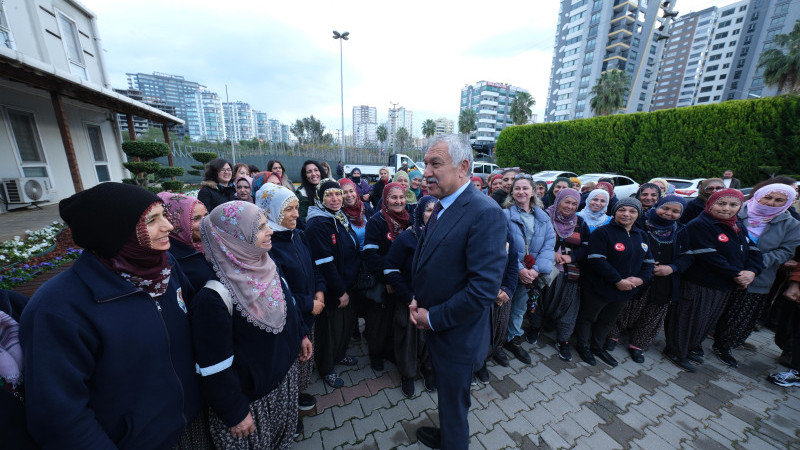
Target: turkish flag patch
(722, 237)
(333, 239)
(389, 236)
(619, 246)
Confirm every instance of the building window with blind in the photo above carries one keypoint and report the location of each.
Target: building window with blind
(72, 45)
(5, 30)
(98, 153)
(25, 138)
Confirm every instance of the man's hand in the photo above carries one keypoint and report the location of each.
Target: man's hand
(244, 428)
(344, 300)
(412, 309)
(422, 319)
(306, 349)
(502, 298)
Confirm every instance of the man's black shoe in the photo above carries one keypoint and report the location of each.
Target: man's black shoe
(586, 355)
(430, 437)
(482, 374)
(428, 380)
(515, 347)
(500, 357)
(407, 385)
(605, 357)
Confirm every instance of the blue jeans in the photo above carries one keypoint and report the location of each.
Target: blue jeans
(519, 303)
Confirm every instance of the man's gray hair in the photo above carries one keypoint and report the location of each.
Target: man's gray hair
(457, 146)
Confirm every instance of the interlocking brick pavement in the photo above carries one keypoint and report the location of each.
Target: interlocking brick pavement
(556, 404)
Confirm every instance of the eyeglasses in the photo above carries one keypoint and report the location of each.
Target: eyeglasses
(226, 170)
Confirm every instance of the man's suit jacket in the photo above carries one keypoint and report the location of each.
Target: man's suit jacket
(458, 268)
(735, 183)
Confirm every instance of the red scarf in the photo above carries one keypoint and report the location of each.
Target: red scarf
(397, 222)
(731, 222)
(355, 212)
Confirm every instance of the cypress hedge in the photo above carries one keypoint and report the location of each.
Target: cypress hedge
(693, 142)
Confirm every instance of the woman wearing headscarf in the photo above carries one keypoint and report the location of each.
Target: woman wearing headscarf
(724, 259)
(186, 246)
(557, 184)
(362, 186)
(217, 186)
(292, 256)
(87, 333)
(662, 184)
(575, 183)
(495, 183)
(531, 229)
(409, 346)
(648, 195)
(477, 182)
(416, 182)
(594, 213)
(310, 176)
(334, 248)
(777, 235)
(382, 229)
(357, 211)
(561, 300)
(376, 193)
(707, 188)
(606, 186)
(618, 264)
(644, 315)
(411, 199)
(244, 188)
(587, 187)
(277, 168)
(262, 178)
(247, 333)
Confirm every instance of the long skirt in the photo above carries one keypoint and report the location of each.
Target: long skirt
(196, 436)
(306, 368)
(560, 303)
(499, 317)
(738, 319)
(692, 316)
(642, 319)
(378, 319)
(409, 344)
(332, 333)
(274, 415)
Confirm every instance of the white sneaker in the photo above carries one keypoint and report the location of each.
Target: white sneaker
(788, 378)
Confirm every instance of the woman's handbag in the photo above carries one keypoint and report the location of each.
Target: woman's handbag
(366, 279)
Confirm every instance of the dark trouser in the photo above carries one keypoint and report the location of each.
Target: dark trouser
(378, 320)
(595, 319)
(452, 385)
(738, 319)
(560, 303)
(409, 345)
(499, 317)
(692, 317)
(787, 334)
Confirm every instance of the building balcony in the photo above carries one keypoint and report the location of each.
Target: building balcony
(486, 138)
(489, 103)
(485, 120)
(486, 130)
(630, 3)
(623, 16)
(487, 111)
(488, 93)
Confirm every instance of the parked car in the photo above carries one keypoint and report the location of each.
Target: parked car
(623, 186)
(686, 187)
(483, 169)
(550, 175)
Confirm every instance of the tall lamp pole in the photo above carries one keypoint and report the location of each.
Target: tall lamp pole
(342, 37)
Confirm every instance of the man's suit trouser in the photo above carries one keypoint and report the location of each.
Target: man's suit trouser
(453, 385)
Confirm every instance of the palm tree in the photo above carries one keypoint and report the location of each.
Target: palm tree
(402, 138)
(466, 121)
(610, 91)
(382, 134)
(520, 110)
(783, 69)
(428, 128)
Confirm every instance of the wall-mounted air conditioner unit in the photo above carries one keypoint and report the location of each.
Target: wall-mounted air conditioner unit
(21, 192)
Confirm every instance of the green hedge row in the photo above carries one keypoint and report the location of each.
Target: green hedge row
(692, 142)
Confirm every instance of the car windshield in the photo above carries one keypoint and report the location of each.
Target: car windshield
(680, 184)
(587, 178)
(547, 173)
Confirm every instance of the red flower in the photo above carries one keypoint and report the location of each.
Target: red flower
(529, 261)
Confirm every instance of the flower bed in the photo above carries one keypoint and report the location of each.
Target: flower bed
(42, 251)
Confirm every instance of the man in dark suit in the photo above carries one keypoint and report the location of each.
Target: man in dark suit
(458, 268)
(731, 182)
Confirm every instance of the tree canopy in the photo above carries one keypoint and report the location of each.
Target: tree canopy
(610, 91)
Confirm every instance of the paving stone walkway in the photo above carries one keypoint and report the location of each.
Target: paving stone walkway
(555, 404)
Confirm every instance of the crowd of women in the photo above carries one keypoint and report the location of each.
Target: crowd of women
(194, 323)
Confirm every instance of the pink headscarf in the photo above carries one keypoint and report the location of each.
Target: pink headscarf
(10, 351)
(229, 236)
(758, 215)
(180, 209)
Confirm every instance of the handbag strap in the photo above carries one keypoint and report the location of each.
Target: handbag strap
(220, 289)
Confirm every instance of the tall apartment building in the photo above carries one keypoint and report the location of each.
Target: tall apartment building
(764, 19)
(262, 125)
(443, 126)
(240, 121)
(170, 89)
(492, 103)
(594, 36)
(365, 125)
(207, 118)
(140, 124)
(399, 118)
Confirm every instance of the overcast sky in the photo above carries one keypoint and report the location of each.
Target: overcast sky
(279, 56)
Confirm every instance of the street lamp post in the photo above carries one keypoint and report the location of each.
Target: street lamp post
(342, 37)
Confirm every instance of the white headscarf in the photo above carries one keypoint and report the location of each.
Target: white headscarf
(594, 219)
(273, 199)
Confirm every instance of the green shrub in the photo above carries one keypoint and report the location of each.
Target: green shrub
(204, 157)
(142, 166)
(145, 150)
(692, 142)
(169, 172)
(172, 186)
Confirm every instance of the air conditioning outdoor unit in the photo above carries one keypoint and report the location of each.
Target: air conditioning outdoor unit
(26, 191)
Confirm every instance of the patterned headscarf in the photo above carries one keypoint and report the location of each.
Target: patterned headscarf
(260, 179)
(419, 213)
(550, 195)
(758, 215)
(564, 225)
(10, 351)
(180, 209)
(397, 222)
(595, 219)
(249, 181)
(662, 181)
(729, 193)
(606, 186)
(702, 194)
(498, 176)
(660, 229)
(273, 200)
(355, 212)
(410, 197)
(325, 185)
(229, 236)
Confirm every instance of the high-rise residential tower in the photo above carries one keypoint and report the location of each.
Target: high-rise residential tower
(443, 126)
(365, 125)
(491, 102)
(399, 118)
(594, 36)
(169, 89)
(240, 123)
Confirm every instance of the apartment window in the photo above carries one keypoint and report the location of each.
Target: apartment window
(754, 17)
(737, 74)
(728, 12)
(569, 63)
(715, 57)
(577, 16)
(640, 107)
(716, 97)
(632, 55)
(25, 137)
(706, 89)
(5, 31)
(777, 22)
(742, 8)
(575, 28)
(642, 96)
(731, 43)
(635, 42)
(740, 20)
(98, 153)
(703, 99)
(724, 24)
(721, 35)
(595, 18)
(72, 45)
(719, 88)
(711, 78)
(568, 74)
(712, 68)
(745, 50)
(781, 9)
(726, 65)
(723, 76)
(571, 52)
(718, 46)
(729, 54)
